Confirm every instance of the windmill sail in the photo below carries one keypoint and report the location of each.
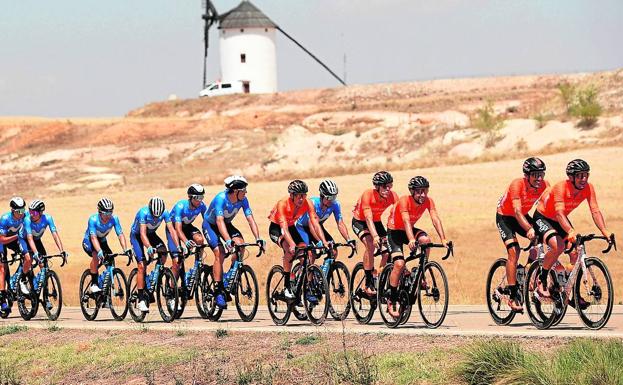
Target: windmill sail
(210, 17)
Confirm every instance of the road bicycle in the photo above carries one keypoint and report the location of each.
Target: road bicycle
(192, 283)
(589, 281)
(113, 293)
(47, 286)
(26, 303)
(239, 281)
(160, 287)
(362, 304)
(425, 284)
(338, 280)
(308, 284)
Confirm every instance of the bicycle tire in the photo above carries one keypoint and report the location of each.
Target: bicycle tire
(493, 295)
(56, 292)
(118, 290)
(338, 280)
(298, 309)
(274, 296)
(383, 296)
(201, 290)
(596, 297)
(362, 306)
(28, 304)
(137, 315)
(317, 285)
(534, 304)
(166, 290)
(89, 304)
(182, 292)
(433, 292)
(209, 296)
(247, 287)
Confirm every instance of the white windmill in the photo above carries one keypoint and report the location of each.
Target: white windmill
(247, 50)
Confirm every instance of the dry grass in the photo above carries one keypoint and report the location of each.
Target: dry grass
(465, 196)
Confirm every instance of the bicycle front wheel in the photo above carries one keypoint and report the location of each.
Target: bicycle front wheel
(247, 297)
(27, 304)
(202, 289)
(498, 294)
(432, 295)
(52, 296)
(315, 295)
(362, 305)
(541, 311)
(166, 295)
(594, 295)
(89, 302)
(339, 295)
(384, 297)
(278, 306)
(137, 315)
(118, 295)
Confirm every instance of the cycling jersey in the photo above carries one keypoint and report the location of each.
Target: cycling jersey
(406, 204)
(564, 196)
(521, 190)
(99, 229)
(144, 217)
(221, 206)
(10, 226)
(334, 208)
(285, 211)
(36, 229)
(185, 213)
(372, 200)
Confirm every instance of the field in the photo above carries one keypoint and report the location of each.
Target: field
(465, 197)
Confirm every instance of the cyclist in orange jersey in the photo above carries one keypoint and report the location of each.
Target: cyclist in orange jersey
(282, 229)
(551, 217)
(367, 223)
(402, 231)
(512, 218)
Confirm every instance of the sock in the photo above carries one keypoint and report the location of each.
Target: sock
(543, 276)
(393, 293)
(369, 278)
(287, 279)
(513, 290)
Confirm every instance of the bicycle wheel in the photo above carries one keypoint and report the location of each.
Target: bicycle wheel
(118, 295)
(298, 309)
(182, 293)
(208, 286)
(52, 296)
(339, 296)
(432, 294)
(247, 294)
(89, 303)
(278, 307)
(166, 295)
(362, 305)
(27, 304)
(541, 311)
(383, 297)
(201, 289)
(316, 295)
(137, 315)
(596, 289)
(498, 294)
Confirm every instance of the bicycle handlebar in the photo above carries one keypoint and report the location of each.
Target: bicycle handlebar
(114, 255)
(582, 239)
(353, 248)
(414, 254)
(383, 249)
(42, 257)
(238, 246)
(195, 249)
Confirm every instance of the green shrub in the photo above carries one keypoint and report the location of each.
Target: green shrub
(10, 329)
(308, 340)
(586, 107)
(487, 361)
(489, 124)
(256, 374)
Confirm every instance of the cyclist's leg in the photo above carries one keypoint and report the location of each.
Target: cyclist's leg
(508, 227)
(274, 232)
(360, 228)
(137, 246)
(396, 239)
(551, 235)
(238, 239)
(87, 246)
(175, 249)
(4, 268)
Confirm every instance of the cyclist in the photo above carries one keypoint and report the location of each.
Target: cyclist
(10, 225)
(402, 231)
(512, 218)
(35, 223)
(182, 215)
(367, 223)
(218, 227)
(282, 229)
(94, 242)
(552, 222)
(324, 205)
(143, 235)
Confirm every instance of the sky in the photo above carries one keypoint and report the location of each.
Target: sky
(93, 58)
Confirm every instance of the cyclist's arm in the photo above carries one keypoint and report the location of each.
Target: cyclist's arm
(179, 232)
(4, 239)
(31, 242)
(408, 227)
(314, 227)
(220, 223)
(341, 226)
(173, 233)
(521, 219)
(562, 219)
(598, 218)
(57, 240)
(253, 226)
(437, 224)
(142, 228)
(367, 212)
(122, 241)
(286, 234)
(95, 243)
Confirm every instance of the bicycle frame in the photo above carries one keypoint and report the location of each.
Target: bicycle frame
(198, 264)
(414, 286)
(238, 264)
(41, 275)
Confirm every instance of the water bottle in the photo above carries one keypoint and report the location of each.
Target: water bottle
(521, 273)
(325, 266)
(105, 281)
(151, 280)
(231, 274)
(190, 277)
(15, 277)
(38, 277)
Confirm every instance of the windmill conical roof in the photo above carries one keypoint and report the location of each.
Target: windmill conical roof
(245, 15)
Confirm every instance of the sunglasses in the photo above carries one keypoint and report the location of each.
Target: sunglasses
(19, 211)
(34, 212)
(106, 213)
(537, 174)
(196, 197)
(330, 197)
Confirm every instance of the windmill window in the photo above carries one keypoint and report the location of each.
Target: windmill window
(241, 29)
(226, 85)
(243, 58)
(265, 29)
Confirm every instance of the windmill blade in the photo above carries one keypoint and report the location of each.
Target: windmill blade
(312, 55)
(210, 17)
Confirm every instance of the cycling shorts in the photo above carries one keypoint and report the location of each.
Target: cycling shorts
(508, 226)
(213, 236)
(274, 231)
(138, 246)
(361, 228)
(397, 238)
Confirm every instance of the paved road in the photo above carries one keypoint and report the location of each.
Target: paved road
(472, 320)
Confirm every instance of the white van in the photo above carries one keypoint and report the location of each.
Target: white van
(217, 89)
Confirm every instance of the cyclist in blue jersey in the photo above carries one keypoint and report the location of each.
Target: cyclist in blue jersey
(182, 215)
(35, 223)
(325, 206)
(95, 243)
(218, 227)
(10, 225)
(143, 235)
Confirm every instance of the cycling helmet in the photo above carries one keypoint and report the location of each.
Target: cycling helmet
(577, 166)
(105, 204)
(533, 165)
(297, 186)
(327, 188)
(156, 206)
(195, 189)
(37, 205)
(382, 178)
(235, 182)
(17, 203)
(418, 182)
